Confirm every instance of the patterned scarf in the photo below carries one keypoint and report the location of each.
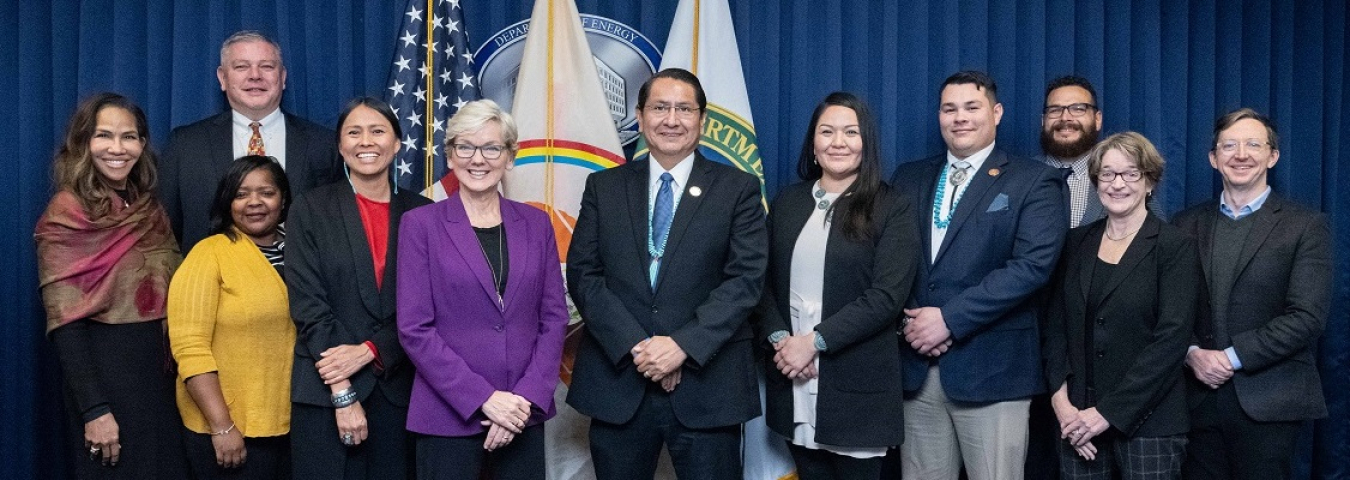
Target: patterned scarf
(114, 269)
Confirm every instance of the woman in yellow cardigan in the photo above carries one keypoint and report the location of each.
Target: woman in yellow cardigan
(231, 332)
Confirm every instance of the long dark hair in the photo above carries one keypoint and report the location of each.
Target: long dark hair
(855, 205)
(221, 220)
(74, 169)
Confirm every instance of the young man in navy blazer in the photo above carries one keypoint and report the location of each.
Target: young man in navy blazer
(989, 242)
(666, 263)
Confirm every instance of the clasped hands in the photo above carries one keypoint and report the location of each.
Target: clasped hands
(1079, 427)
(926, 331)
(659, 358)
(795, 356)
(506, 416)
(1210, 366)
(341, 362)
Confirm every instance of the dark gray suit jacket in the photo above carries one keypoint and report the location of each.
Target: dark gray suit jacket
(860, 401)
(198, 155)
(1278, 306)
(710, 281)
(330, 277)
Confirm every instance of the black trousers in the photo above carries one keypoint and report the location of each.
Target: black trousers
(268, 458)
(444, 458)
(826, 465)
(630, 451)
(318, 452)
(1225, 443)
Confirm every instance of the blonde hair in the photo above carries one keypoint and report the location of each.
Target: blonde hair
(474, 115)
(1133, 145)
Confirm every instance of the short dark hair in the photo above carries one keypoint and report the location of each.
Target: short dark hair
(855, 207)
(1073, 81)
(379, 106)
(221, 220)
(1228, 119)
(980, 79)
(677, 74)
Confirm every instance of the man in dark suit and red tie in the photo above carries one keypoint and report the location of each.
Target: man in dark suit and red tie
(990, 242)
(667, 261)
(253, 77)
(1268, 264)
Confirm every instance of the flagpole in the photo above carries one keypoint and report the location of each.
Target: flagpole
(548, 119)
(429, 138)
(693, 64)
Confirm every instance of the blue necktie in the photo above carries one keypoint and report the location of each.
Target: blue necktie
(661, 213)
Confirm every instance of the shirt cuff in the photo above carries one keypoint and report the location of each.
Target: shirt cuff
(778, 336)
(1233, 358)
(379, 365)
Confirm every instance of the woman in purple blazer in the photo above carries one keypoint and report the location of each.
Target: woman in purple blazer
(481, 313)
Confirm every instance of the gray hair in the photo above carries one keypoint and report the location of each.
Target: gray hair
(248, 36)
(474, 115)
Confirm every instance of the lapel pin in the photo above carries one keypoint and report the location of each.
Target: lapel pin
(993, 172)
(694, 191)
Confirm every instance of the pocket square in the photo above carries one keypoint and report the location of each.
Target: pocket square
(1000, 203)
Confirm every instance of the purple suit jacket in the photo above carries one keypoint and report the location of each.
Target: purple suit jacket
(464, 344)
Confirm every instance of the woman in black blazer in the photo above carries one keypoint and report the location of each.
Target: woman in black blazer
(1125, 298)
(351, 380)
(841, 264)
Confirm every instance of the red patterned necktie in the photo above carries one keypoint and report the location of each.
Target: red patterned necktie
(255, 145)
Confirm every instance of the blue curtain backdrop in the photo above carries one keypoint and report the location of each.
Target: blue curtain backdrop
(1164, 68)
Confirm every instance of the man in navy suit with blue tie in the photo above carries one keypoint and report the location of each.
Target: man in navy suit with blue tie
(666, 263)
(990, 241)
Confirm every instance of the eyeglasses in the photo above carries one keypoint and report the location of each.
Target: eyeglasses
(1075, 110)
(682, 111)
(1231, 146)
(1107, 176)
(490, 152)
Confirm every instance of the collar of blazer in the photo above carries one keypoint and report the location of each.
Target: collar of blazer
(974, 198)
(700, 185)
(1264, 222)
(460, 232)
(379, 301)
(1142, 245)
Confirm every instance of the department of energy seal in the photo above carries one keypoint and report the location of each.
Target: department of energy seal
(624, 59)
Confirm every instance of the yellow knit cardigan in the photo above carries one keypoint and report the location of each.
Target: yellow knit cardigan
(229, 313)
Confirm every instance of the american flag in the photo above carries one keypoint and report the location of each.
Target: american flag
(431, 77)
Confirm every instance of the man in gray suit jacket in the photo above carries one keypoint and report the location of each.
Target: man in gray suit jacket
(1268, 265)
(253, 77)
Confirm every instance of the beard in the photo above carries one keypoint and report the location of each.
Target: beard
(1087, 139)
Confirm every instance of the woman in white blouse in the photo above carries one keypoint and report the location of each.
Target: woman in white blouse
(841, 262)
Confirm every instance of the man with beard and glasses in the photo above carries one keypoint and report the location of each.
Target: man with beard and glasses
(1070, 127)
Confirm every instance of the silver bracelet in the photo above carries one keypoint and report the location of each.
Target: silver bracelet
(344, 398)
(223, 432)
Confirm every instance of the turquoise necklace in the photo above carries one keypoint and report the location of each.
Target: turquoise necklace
(938, 221)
